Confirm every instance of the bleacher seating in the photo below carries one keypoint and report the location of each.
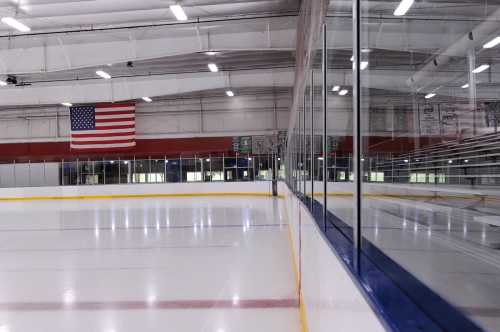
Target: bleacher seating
(472, 161)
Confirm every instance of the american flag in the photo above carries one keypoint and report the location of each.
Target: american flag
(102, 127)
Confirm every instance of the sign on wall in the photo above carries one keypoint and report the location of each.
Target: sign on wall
(429, 120)
(492, 114)
(242, 144)
(449, 119)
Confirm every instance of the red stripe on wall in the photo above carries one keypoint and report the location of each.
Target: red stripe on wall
(56, 151)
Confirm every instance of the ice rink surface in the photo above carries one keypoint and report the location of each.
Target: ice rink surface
(440, 243)
(176, 264)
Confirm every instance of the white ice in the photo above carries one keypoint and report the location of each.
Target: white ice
(127, 260)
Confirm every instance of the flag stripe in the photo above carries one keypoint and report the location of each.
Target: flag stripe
(99, 106)
(100, 138)
(103, 123)
(112, 110)
(117, 134)
(107, 112)
(105, 131)
(112, 118)
(128, 126)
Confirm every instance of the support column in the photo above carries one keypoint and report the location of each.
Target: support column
(471, 60)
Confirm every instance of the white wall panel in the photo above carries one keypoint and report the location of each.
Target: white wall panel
(330, 296)
(7, 178)
(260, 187)
(203, 116)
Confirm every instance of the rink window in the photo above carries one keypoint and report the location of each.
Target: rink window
(377, 177)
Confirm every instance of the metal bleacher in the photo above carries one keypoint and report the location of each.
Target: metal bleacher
(471, 161)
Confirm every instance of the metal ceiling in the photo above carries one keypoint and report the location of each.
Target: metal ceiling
(51, 15)
(180, 64)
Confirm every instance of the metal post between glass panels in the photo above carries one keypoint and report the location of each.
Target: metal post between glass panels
(304, 144)
(300, 155)
(357, 170)
(180, 168)
(44, 173)
(311, 134)
(325, 147)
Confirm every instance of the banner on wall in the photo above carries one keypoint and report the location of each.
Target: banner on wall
(378, 119)
(429, 120)
(263, 144)
(260, 144)
(492, 114)
(403, 118)
(449, 120)
(242, 144)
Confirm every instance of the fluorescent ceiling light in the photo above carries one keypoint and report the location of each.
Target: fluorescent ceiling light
(343, 92)
(480, 69)
(15, 24)
(403, 7)
(365, 50)
(352, 58)
(103, 74)
(147, 99)
(363, 65)
(213, 67)
(3, 83)
(67, 104)
(465, 86)
(230, 93)
(430, 95)
(211, 53)
(336, 88)
(492, 43)
(178, 12)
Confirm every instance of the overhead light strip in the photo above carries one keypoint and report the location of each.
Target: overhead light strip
(178, 12)
(403, 7)
(103, 74)
(481, 68)
(492, 43)
(213, 67)
(147, 99)
(12, 22)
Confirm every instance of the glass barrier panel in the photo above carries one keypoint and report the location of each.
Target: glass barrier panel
(173, 173)
(429, 120)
